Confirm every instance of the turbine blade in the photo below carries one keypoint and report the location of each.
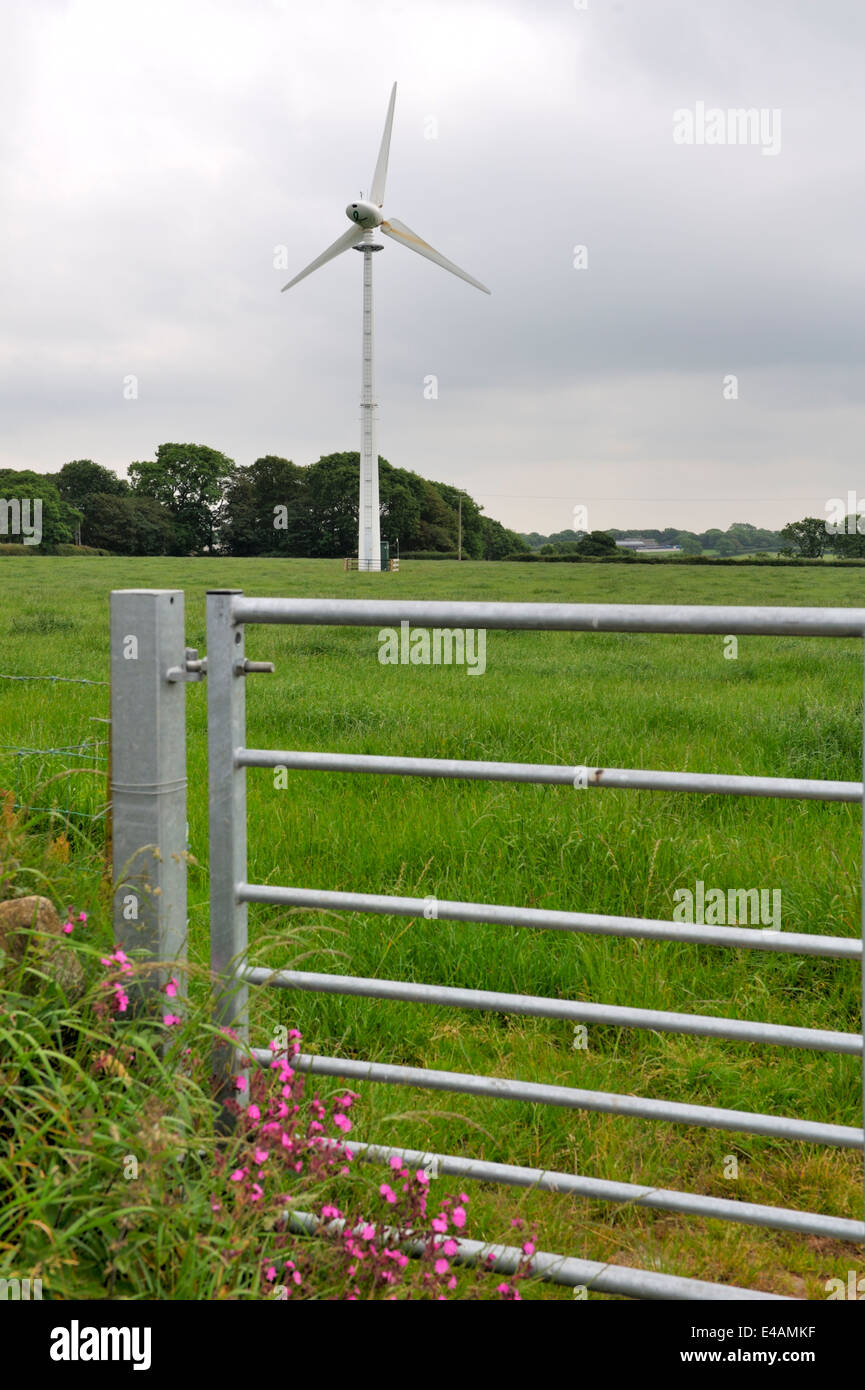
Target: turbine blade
(349, 238)
(403, 234)
(376, 191)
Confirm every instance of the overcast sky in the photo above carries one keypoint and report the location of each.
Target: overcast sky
(155, 155)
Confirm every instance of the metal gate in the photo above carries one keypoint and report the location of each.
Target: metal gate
(228, 612)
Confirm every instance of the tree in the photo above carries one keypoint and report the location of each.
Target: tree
(131, 525)
(849, 544)
(82, 478)
(191, 481)
(59, 521)
(266, 510)
(807, 538)
(597, 543)
(499, 541)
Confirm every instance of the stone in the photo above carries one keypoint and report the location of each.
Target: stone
(21, 916)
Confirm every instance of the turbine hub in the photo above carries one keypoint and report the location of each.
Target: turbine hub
(364, 214)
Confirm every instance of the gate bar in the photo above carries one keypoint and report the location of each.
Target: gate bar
(537, 1006)
(632, 779)
(721, 619)
(537, 1093)
(601, 1190)
(759, 939)
(559, 1269)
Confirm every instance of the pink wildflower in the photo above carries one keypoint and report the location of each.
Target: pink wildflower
(388, 1193)
(458, 1216)
(342, 1122)
(441, 1266)
(171, 987)
(170, 1019)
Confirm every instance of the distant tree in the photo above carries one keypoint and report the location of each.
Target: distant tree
(332, 499)
(597, 543)
(499, 541)
(848, 544)
(59, 520)
(191, 481)
(82, 478)
(807, 538)
(131, 525)
(265, 510)
(689, 543)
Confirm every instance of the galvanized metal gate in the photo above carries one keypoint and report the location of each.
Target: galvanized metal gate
(228, 612)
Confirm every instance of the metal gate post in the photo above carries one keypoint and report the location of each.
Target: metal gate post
(148, 779)
(226, 731)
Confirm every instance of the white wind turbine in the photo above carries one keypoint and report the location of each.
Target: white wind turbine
(366, 217)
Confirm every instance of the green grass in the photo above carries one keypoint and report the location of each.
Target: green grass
(785, 707)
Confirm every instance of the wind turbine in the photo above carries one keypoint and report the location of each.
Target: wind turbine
(367, 217)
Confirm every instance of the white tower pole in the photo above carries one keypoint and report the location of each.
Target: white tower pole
(368, 529)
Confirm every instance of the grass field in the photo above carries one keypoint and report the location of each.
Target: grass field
(785, 707)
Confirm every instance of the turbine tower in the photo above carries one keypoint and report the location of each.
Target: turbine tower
(367, 217)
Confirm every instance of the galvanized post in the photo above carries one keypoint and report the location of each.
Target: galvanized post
(226, 732)
(148, 779)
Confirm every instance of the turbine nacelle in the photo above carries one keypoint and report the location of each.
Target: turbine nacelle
(364, 214)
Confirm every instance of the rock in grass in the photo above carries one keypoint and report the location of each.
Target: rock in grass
(28, 927)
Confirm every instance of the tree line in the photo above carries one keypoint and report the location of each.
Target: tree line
(192, 499)
(811, 538)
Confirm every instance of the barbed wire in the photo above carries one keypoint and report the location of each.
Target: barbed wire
(88, 748)
(70, 680)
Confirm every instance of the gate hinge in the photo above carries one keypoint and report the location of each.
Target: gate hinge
(193, 668)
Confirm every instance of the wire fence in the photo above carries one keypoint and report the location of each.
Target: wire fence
(91, 750)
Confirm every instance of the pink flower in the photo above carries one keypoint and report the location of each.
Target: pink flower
(239, 1174)
(170, 1019)
(441, 1266)
(458, 1215)
(68, 928)
(330, 1213)
(260, 1155)
(422, 1176)
(257, 1192)
(440, 1223)
(342, 1122)
(121, 999)
(171, 987)
(388, 1193)
(82, 916)
(452, 1282)
(270, 1274)
(395, 1162)
(529, 1247)
(253, 1112)
(240, 1083)
(216, 1206)
(450, 1247)
(368, 1232)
